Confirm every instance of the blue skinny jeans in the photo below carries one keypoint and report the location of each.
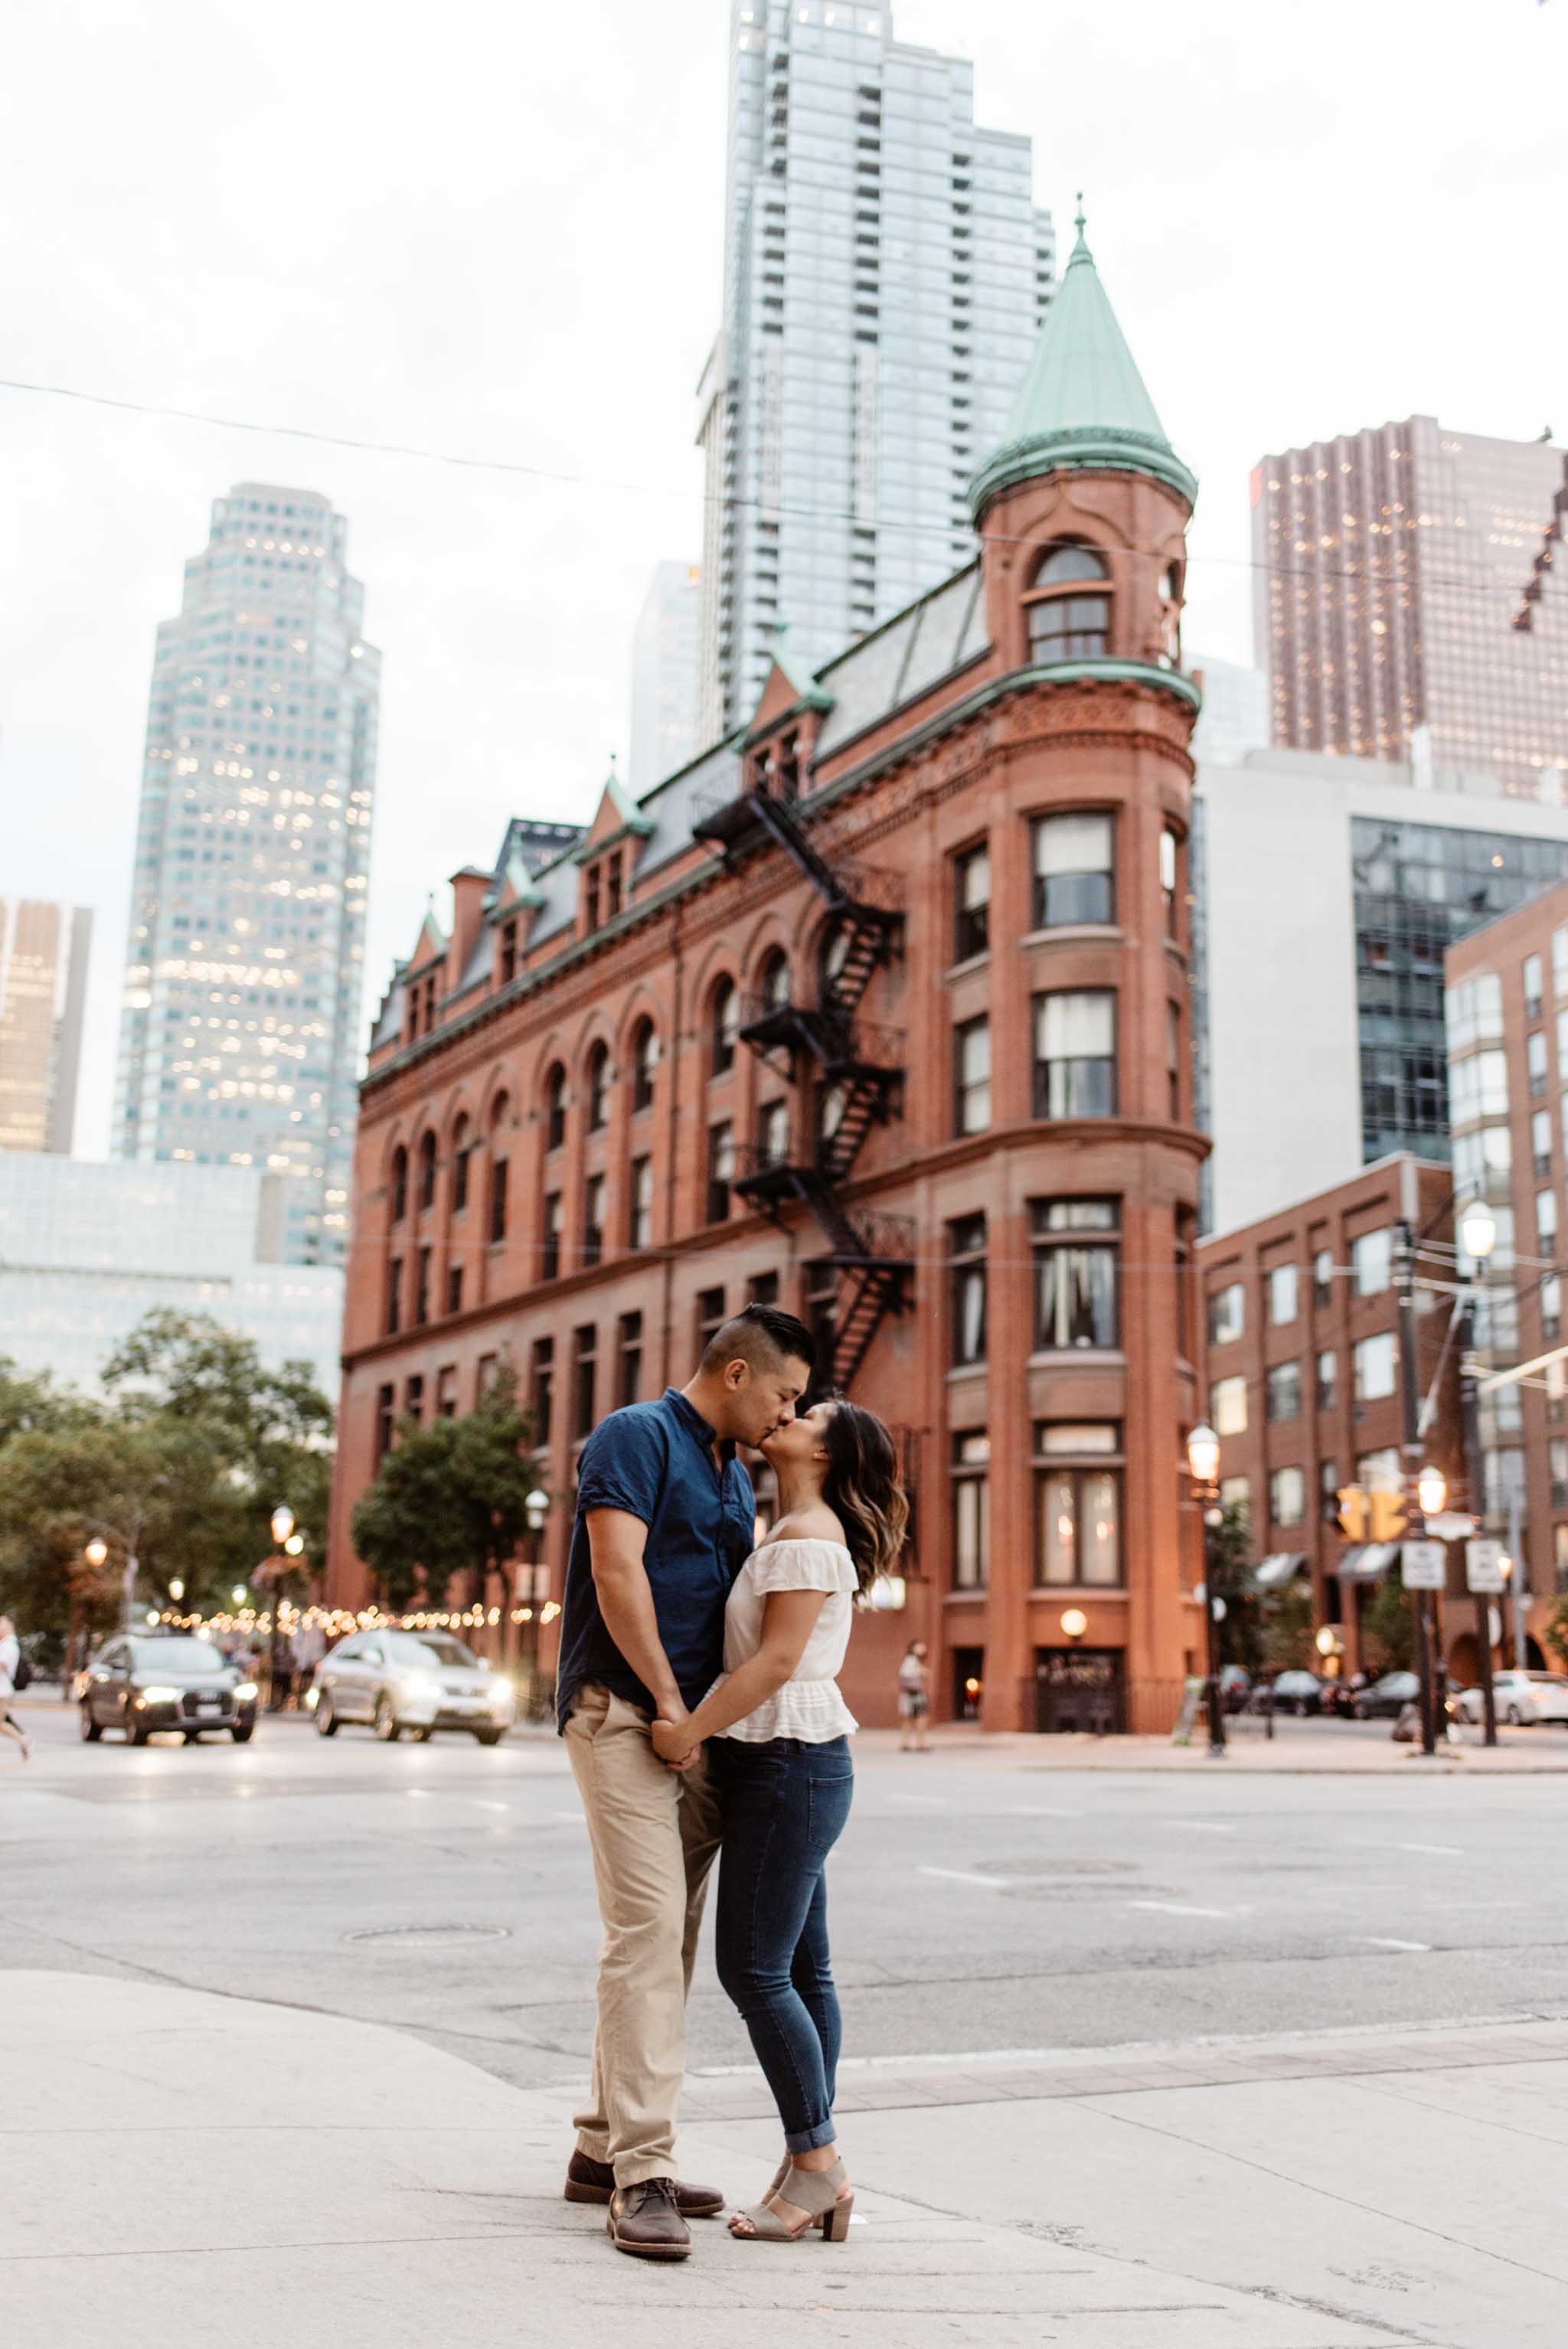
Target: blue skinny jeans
(784, 1806)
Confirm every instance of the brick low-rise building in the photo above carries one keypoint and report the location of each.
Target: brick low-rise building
(1508, 1083)
(1301, 1326)
(880, 1008)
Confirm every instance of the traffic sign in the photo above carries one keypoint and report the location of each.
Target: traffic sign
(1483, 1563)
(1422, 1565)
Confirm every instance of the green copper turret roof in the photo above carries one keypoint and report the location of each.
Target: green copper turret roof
(1082, 402)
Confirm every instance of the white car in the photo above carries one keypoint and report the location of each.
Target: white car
(1520, 1698)
(413, 1680)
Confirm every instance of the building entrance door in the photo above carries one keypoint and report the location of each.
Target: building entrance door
(1079, 1689)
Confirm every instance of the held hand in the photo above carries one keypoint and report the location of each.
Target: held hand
(674, 1743)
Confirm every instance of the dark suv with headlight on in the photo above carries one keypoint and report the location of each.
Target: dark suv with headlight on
(138, 1685)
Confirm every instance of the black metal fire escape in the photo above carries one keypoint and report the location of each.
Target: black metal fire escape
(859, 1067)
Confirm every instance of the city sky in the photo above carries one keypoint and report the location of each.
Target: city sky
(496, 234)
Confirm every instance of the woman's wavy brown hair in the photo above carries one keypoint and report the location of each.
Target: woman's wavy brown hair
(862, 1489)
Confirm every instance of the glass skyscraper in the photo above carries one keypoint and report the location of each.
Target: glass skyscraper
(239, 1036)
(1401, 608)
(886, 271)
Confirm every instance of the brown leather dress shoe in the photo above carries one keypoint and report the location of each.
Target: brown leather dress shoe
(595, 2181)
(645, 2221)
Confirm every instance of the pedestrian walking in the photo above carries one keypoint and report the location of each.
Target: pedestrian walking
(780, 1759)
(12, 1676)
(666, 1517)
(913, 1698)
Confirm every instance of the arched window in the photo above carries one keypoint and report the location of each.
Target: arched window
(1067, 619)
(399, 1184)
(496, 1221)
(460, 1164)
(555, 1107)
(598, 1087)
(426, 1170)
(724, 1025)
(775, 988)
(644, 1063)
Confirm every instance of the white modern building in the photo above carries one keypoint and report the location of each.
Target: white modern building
(1234, 717)
(1327, 891)
(886, 270)
(239, 1033)
(88, 1250)
(664, 676)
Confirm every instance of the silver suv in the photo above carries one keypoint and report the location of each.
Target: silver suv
(414, 1681)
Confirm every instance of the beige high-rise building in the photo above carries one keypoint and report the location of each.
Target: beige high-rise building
(43, 989)
(1407, 606)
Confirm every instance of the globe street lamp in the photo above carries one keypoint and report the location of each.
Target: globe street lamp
(1203, 1466)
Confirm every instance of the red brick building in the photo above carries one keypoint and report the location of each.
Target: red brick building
(879, 1008)
(1508, 1105)
(1301, 1326)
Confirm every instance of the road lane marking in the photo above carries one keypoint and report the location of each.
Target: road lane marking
(1205, 1827)
(1182, 1909)
(1386, 1942)
(483, 1805)
(1436, 1850)
(962, 1876)
(1035, 1811)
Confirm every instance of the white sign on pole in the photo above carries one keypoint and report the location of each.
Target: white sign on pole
(1483, 1563)
(1422, 1564)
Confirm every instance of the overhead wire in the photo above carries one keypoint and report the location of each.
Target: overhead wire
(1484, 581)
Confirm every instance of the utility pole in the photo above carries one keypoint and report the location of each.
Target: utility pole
(1410, 1459)
(1470, 1412)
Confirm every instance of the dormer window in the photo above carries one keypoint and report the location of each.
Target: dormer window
(613, 887)
(591, 898)
(506, 961)
(1068, 614)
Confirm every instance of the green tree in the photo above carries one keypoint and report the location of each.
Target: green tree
(1388, 1628)
(1228, 1559)
(149, 1490)
(272, 1430)
(448, 1500)
(1287, 1629)
(1556, 1632)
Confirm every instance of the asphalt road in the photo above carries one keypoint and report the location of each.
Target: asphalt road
(978, 1903)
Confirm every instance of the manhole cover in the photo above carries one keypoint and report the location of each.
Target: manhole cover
(432, 1937)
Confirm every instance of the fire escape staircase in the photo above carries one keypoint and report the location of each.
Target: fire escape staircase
(859, 1068)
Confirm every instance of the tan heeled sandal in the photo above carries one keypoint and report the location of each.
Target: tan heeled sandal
(815, 2191)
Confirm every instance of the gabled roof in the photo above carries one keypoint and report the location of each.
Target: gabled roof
(430, 944)
(788, 685)
(1082, 401)
(617, 812)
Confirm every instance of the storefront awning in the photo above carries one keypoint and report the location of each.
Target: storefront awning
(1368, 1562)
(1273, 1573)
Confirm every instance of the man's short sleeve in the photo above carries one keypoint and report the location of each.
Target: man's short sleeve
(622, 1466)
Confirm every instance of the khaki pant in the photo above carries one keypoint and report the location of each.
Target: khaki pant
(654, 1835)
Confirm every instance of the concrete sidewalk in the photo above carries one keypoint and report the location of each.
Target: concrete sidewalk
(179, 2168)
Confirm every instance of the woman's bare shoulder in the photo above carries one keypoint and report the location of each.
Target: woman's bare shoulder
(816, 1523)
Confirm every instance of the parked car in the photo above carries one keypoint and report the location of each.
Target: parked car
(1520, 1698)
(414, 1681)
(1297, 1692)
(1387, 1698)
(1235, 1687)
(137, 1686)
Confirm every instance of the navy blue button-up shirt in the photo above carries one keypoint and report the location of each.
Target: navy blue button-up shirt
(655, 1461)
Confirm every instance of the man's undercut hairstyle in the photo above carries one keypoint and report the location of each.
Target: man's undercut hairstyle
(762, 1336)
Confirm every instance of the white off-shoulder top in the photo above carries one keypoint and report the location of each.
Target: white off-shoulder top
(808, 1705)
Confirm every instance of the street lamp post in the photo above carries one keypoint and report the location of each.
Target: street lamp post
(282, 1528)
(1477, 1237)
(535, 1509)
(1203, 1466)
